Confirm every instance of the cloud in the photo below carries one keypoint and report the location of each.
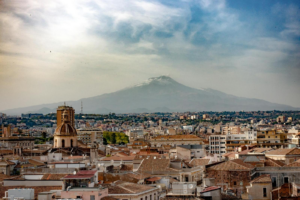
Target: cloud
(82, 43)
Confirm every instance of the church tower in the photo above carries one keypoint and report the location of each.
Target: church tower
(65, 135)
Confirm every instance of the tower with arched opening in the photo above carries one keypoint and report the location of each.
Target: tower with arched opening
(65, 134)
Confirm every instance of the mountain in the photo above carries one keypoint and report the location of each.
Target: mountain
(159, 94)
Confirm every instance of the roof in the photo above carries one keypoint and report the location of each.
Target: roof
(76, 176)
(294, 164)
(236, 164)
(293, 151)
(265, 178)
(273, 163)
(199, 162)
(37, 189)
(121, 187)
(53, 176)
(87, 172)
(156, 165)
(118, 158)
(211, 188)
(153, 179)
(261, 150)
(251, 159)
(174, 137)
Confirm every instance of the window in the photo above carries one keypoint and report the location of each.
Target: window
(141, 198)
(286, 179)
(234, 183)
(274, 184)
(146, 198)
(92, 197)
(150, 197)
(265, 192)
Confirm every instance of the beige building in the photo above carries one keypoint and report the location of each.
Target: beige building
(260, 188)
(65, 134)
(174, 140)
(90, 135)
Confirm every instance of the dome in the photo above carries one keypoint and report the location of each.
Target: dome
(65, 129)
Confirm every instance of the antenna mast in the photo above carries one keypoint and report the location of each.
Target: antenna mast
(81, 108)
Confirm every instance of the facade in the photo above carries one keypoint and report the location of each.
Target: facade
(260, 188)
(174, 140)
(65, 134)
(90, 135)
(233, 174)
(59, 115)
(217, 144)
(271, 138)
(236, 140)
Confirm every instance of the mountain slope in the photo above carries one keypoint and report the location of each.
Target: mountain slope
(160, 94)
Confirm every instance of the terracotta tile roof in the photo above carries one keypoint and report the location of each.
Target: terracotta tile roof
(85, 172)
(121, 187)
(261, 150)
(273, 163)
(265, 178)
(37, 189)
(153, 179)
(53, 176)
(236, 164)
(156, 165)
(199, 162)
(293, 151)
(138, 175)
(211, 188)
(117, 158)
(75, 176)
(294, 164)
(127, 168)
(231, 154)
(35, 162)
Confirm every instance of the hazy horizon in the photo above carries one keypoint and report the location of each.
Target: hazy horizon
(55, 51)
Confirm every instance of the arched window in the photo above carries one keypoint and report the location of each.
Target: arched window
(71, 142)
(55, 143)
(63, 143)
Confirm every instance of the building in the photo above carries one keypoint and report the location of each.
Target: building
(90, 135)
(30, 115)
(260, 188)
(5, 130)
(234, 141)
(217, 144)
(133, 191)
(271, 138)
(233, 174)
(65, 134)
(286, 155)
(59, 115)
(281, 119)
(174, 140)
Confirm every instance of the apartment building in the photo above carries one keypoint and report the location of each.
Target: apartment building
(231, 130)
(271, 138)
(90, 135)
(217, 144)
(234, 141)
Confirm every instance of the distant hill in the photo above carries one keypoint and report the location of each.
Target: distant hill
(159, 94)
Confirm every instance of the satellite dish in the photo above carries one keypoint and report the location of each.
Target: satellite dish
(191, 186)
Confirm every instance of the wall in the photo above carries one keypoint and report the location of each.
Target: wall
(256, 191)
(28, 183)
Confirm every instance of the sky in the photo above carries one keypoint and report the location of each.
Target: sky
(52, 51)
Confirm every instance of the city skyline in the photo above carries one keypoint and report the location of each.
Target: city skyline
(60, 51)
